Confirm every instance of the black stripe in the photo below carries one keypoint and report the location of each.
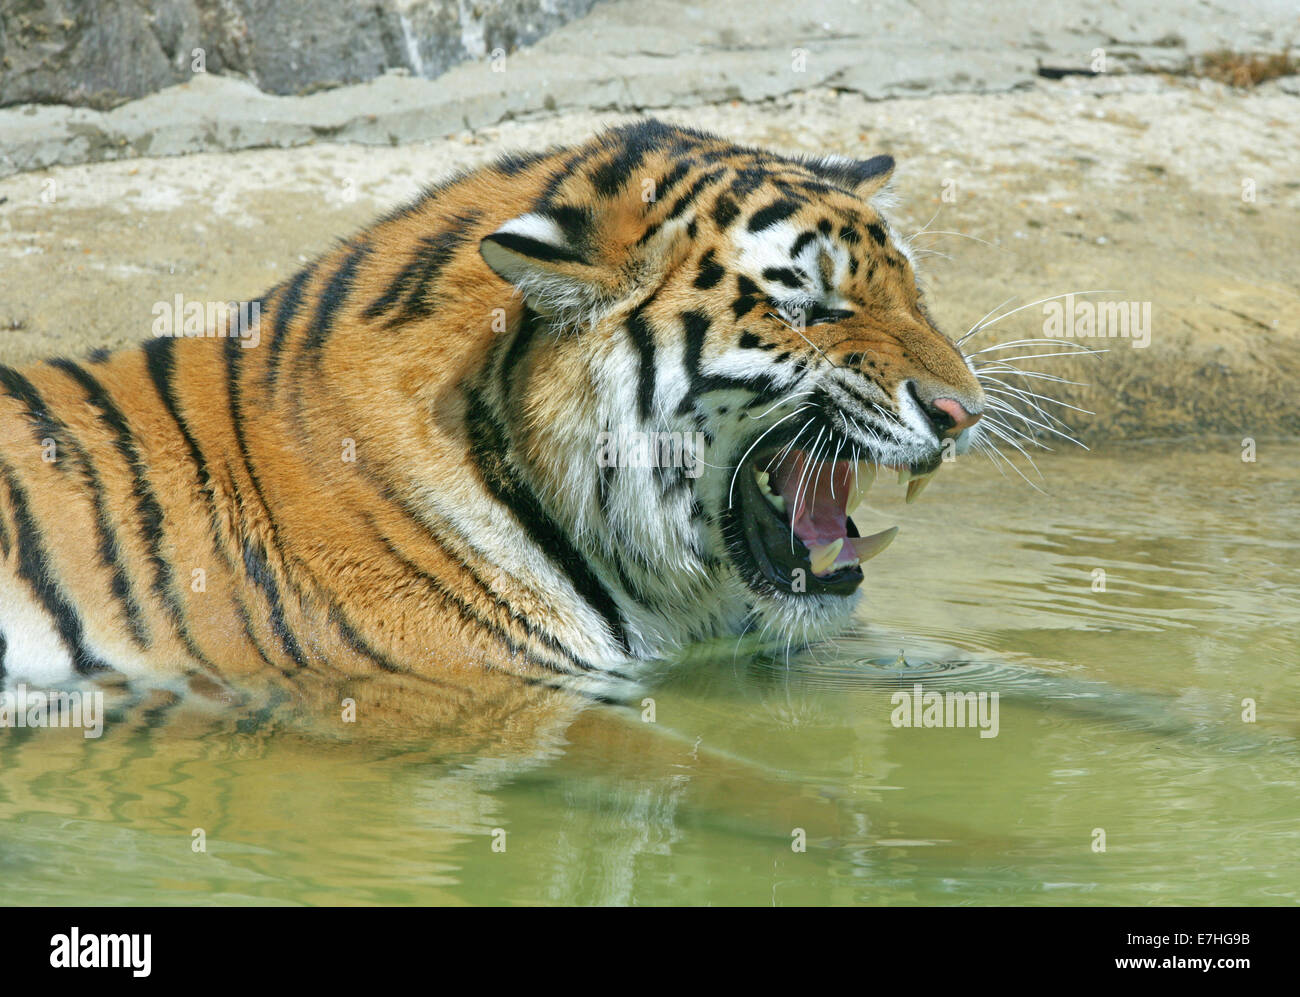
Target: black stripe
(725, 211)
(784, 275)
(150, 512)
(535, 249)
(468, 612)
(333, 298)
(749, 295)
(359, 645)
(587, 694)
(680, 204)
(488, 449)
(556, 180)
(400, 286)
(765, 387)
(412, 282)
(259, 569)
(773, 213)
(286, 310)
(711, 272)
(44, 425)
(512, 163)
(160, 361)
(110, 556)
(605, 475)
(260, 572)
(512, 359)
(108, 547)
(802, 241)
(877, 233)
(34, 568)
(743, 305)
(861, 399)
(574, 222)
(643, 338)
(697, 327)
(633, 145)
(672, 178)
(747, 181)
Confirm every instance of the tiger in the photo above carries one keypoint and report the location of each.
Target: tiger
(556, 419)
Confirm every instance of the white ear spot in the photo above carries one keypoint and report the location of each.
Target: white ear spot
(539, 228)
(526, 244)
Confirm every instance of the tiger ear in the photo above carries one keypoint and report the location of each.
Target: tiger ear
(554, 259)
(573, 263)
(862, 177)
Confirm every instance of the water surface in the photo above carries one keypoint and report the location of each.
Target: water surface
(1120, 711)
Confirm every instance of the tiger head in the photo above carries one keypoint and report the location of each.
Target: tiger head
(717, 349)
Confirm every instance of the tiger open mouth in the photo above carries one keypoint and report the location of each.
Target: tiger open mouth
(791, 522)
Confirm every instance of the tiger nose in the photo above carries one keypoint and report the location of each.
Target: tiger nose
(950, 417)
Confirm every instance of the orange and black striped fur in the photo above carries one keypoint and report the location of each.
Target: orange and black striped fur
(404, 476)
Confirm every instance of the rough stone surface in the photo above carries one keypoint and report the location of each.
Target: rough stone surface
(103, 53)
(625, 55)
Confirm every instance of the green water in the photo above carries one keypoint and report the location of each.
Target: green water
(1119, 711)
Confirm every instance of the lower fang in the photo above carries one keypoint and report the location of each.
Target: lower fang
(823, 557)
(869, 547)
(776, 502)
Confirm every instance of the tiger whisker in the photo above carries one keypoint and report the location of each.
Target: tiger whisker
(1001, 404)
(1038, 356)
(963, 235)
(741, 463)
(1027, 395)
(980, 324)
(988, 324)
(1050, 429)
(1040, 375)
(1034, 341)
(1012, 465)
(779, 403)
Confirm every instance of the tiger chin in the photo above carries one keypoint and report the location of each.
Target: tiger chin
(561, 416)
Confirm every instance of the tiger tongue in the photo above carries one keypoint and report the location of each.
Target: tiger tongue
(816, 499)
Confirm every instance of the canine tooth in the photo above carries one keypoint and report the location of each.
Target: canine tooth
(763, 477)
(864, 477)
(916, 486)
(776, 502)
(824, 556)
(869, 547)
